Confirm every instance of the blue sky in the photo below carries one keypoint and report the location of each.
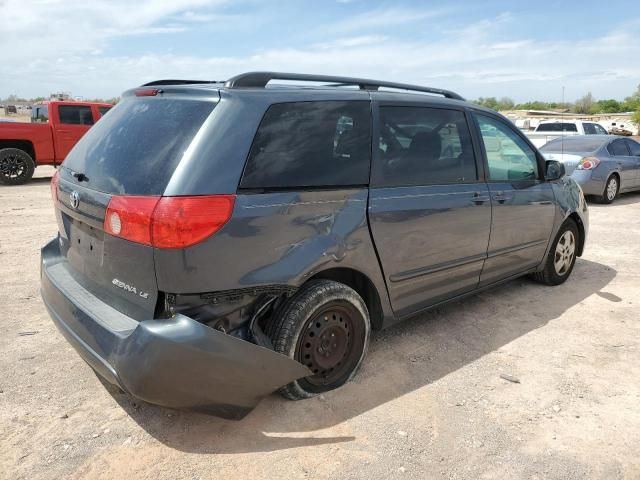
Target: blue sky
(524, 50)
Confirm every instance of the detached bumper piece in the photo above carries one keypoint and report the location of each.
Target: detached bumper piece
(176, 362)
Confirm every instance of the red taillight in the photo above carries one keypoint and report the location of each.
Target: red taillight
(588, 163)
(54, 187)
(167, 222)
(147, 92)
(179, 222)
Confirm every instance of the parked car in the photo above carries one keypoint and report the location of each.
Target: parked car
(603, 165)
(217, 242)
(548, 130)
(54, 129)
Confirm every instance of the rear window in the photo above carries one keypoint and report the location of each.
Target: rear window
(136, 148)
(103, 110)
(557, 127)
(573, 145)
(311, 144)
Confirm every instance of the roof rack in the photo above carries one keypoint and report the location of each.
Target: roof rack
(177, 82)
(260, 80)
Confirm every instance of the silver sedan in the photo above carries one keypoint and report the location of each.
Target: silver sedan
(603, 165)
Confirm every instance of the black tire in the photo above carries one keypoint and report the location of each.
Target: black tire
(606, 197)
(305, 328)
(16, 166)
(550, 275)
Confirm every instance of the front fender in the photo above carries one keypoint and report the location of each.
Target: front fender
(569, 201)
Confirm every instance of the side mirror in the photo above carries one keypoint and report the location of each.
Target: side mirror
(555, 170)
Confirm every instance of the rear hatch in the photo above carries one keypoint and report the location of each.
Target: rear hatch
(131, 155)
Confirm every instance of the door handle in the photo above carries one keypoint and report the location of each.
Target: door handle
(479, 198)
(501, 197)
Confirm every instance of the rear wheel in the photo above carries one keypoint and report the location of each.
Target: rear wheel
(611, 189)
(326, 327)
(16, 166)
(561, 257)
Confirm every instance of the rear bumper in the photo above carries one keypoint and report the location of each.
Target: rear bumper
(174, 362)
(589, 185)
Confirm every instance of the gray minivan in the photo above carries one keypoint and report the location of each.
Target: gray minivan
(219, 241)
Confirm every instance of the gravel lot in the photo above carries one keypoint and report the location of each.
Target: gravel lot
(429, 402)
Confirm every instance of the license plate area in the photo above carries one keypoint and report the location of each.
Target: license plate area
(86, 241)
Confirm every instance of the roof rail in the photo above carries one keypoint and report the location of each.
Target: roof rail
(177, 82)
(260, 80)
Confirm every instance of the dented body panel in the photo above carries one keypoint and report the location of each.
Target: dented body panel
(176, 362)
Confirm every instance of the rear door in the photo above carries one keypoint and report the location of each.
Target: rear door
(634, 150)
(429, 212)
(73, 122)
(625, 163)
(132, 153)
(523, 203)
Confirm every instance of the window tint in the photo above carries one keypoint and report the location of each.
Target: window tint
(618, 148)
(75, 115)
(103, 110)
(508, 155)
(40, 114)
(557, 127)
(424, 146)
(589, 129)
(634, 147)
(136, 148)
(600, 130)
(574, 144)
(307, 144)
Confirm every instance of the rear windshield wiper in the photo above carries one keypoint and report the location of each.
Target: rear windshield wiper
(81, 177)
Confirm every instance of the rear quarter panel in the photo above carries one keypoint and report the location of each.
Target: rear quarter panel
(278, 239)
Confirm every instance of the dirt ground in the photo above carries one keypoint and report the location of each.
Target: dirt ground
(428, 403)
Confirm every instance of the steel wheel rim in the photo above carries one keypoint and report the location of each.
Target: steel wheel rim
(12, 166)
(612, 189)
(331, 343)
(565, 252)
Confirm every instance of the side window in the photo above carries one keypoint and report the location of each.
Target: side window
(508, 155)
(589, 128)
(634, 147)
(40, 114)
(75, 115)
(311, 144)
(424, 146)
(618, 148)
(600, 130)
(103, 110)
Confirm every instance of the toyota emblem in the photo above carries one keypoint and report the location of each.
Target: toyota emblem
(74, 198)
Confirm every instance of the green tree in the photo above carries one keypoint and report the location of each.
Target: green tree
(607, 106)
(632, 102)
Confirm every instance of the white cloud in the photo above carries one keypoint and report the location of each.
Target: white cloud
(472, 60)
(384, 18)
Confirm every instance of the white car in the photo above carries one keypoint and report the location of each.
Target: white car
(548, 130)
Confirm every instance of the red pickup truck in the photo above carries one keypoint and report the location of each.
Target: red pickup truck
(54, 129)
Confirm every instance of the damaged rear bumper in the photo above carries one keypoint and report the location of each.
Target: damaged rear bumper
(174, 362)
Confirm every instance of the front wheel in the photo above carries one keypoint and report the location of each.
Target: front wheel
(16, 166)
(326, 327)
(561, 257)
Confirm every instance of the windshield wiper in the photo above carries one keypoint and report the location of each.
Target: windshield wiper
(81, 177)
